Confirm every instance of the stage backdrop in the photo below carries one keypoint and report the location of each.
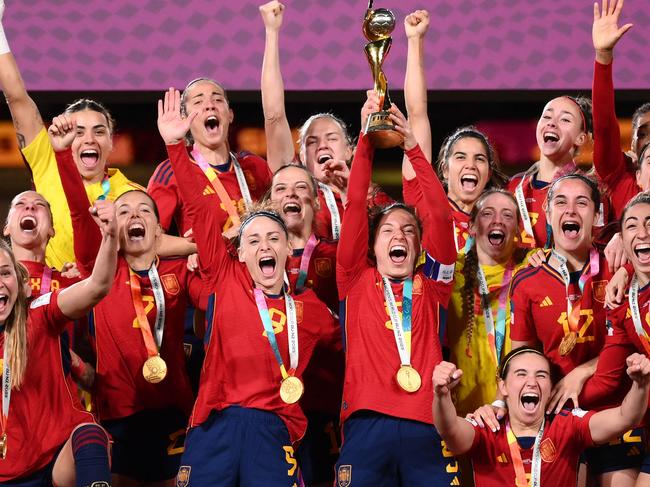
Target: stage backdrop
(471, 44)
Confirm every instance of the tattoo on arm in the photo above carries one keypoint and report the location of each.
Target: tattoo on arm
(21, 141)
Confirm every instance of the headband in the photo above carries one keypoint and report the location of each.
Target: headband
(265, 213)
(582, 114)
(514, 354)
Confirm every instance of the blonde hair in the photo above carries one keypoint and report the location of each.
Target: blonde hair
(16, 323)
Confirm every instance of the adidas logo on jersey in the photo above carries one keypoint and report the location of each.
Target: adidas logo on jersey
(546, 302)
(502, 458)
(208, 190)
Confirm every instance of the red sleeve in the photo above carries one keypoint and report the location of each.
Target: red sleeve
(609, 385)
(45, 311)
(522, 328)
(353, 244)
(438, 233)
(609, 160)
(163, 192)
(204, 220)
(582, 435)
(411, 192)
(197, 291)
(87, 236)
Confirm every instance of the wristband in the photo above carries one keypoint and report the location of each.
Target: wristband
(499, 403)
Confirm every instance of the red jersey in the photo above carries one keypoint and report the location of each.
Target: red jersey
(120, 387)
(615, 169)
(44, 411)
(36, 271)
(564, 439)
(372, 358)
(323, 219)
(412, 197)
(321, 273)
(163, 188)
(539, 313)
(240, 367)
(610, 383)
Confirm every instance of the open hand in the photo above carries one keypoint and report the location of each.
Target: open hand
(171, 124)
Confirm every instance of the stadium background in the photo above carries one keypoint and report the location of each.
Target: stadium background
(490, 63)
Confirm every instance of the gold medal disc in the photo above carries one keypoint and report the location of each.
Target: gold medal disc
(154, 369)
(3, 447)
(408, 378)
(568, 343)
(291, 389)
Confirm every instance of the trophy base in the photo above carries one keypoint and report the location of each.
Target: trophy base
(381, 131)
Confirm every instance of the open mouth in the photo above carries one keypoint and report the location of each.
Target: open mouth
(571, 229)
(89, 157)
(267, 266)
(469, 182)
(323, 158)
(136, 231)
(550, 137)
(642, 252)
(398, 254)
(496, 237)
(529, 401)
(211, 124)
(28, 223)
(292, 208)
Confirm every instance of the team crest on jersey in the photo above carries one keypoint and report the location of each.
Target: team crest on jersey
(417, 284)
(598, 290)
(183, 477)
(323, 266)
(547, 451)
(344, 477)
(170, 283)
(250, 179)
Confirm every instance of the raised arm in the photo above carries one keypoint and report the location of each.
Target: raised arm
(353, 242)
(416, 25)
(609, 160)
(610, 423)
(200, 207)
(438, 235)
(78, 299)
(87, 236)
(279, 146)
(457, 432)
(24, 113)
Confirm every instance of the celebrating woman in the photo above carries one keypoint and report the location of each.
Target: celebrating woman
(246, 418)
(61, 444)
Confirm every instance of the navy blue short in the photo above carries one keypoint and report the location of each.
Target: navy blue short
(384, 451)
(319, 449)
(42, 478)
(239, 447)
(628, 451)
(147, 446)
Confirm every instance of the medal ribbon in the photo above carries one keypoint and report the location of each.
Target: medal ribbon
(496, 345)
(521, 199)
(6, 387)
(573, 311)
(517, 462)
(152, 345)
(218, 187)
(292, 331)
(46, 280)
(304, 262)
(633, 300)
(330, 201)
(401, 324)
(106, 188)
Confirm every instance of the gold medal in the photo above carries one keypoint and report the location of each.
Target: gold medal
(3, 446)
(291, 389)
(568, 343)
(154, 369)
(408, 378)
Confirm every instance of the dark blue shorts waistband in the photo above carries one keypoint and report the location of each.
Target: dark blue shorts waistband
(250, 415)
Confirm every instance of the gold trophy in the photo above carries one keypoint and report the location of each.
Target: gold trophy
(377, 27)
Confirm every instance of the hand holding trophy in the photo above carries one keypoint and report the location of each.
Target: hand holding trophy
(377, 27)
